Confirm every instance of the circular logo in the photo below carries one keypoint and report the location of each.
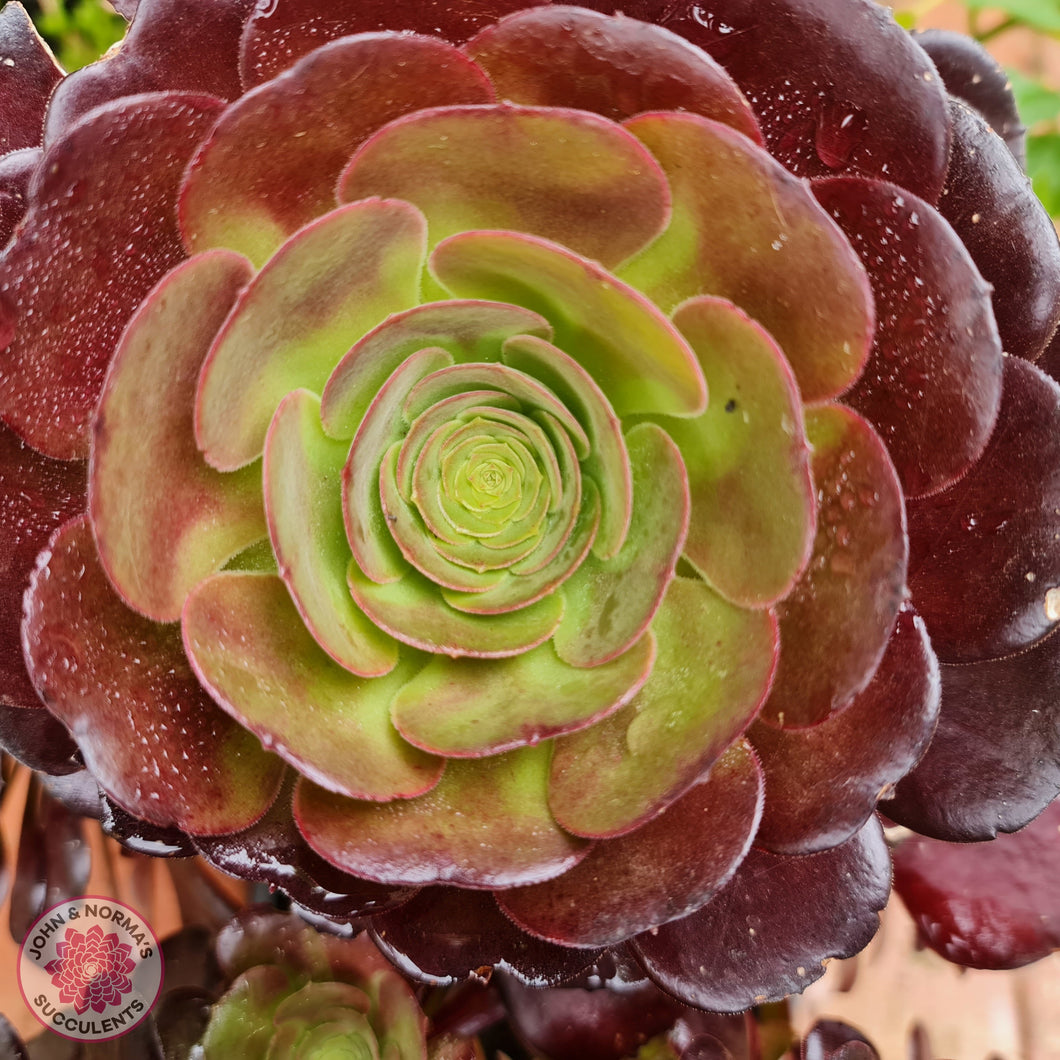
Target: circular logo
(90, 969)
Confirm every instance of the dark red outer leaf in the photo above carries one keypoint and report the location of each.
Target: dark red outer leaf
(53, 860)
(936, 356)
(768, 932)
(837, 86)
(28, 73)
(141, 837)
(572, 1023)
(990, 203)
(665, 869)
(993, 906)
(274, 852)
(15, 172)
(563, 56)
(983, 560)
(971, 73)
(277, 35)
(822, 782)
(832, 1040)
(172, 45)
(11, 1045)
(36, 496)
(447, 933)
(994, 761)
(835, 624)
(101, 231)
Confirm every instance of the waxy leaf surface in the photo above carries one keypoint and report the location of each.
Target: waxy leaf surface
(558, 174)
(271, 163)
(27, 76)
(85, 271)
(249, 647)
(156, 545)
(485, 824)
(121, 684)
(327, 285)
(745, 229)
(664, 870)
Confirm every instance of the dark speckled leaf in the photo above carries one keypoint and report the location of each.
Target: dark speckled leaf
(983, 562)
(28, 74)
(993, 714)
(16, 169)
(767, 932)
(993, 906)
(989, 201)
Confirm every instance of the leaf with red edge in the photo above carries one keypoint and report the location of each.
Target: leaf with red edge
(936, 357)
(248, 645)
(278, 35)
(552, 172)
(745, 229)
(448, 933)
(271, 163)
(993, 906)
(702, 693)
(835, 625)
(562, 56)
(752, 522)
(485, 824)
(984, 566)
(994, 713)
(148, 732)
(993, 209)
(16, 170)
(99, 235)
(37, 495)
(666, 869)
(971, 73)
(771, 928)
(156, 545)
(837, 86)
(172, 45)
(28, 74)
(822, 782)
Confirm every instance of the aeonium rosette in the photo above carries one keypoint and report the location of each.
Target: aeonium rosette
(499, 456)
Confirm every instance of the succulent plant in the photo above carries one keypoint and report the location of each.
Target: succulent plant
(524, 478)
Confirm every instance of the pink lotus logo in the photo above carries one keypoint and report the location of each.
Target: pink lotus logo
(92, 969)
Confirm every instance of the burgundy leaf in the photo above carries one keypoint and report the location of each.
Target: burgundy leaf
(832, 1040)
(768, 932)
(28, 74)
(139, 836)
(993, 906)
(994, 760)
(936, 356)
(446, 933)
(989, 201)
(971, 73)
(983, 560)
(16, 169)
(99, 234)
(822, 782)
(172, 45)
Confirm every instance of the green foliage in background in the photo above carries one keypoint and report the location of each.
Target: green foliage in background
(78, 31)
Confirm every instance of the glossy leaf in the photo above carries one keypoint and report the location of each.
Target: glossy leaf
(327, 285)
(157, 545)
(822, 782)
(744, 229)
(702, 694)
(485, 824)
(153, 739)
(773, 925)
(936, 356)
(97, 238)
(752, 521)
(250, 649)
(983, 559)
(271, 163)
(564, 56)
(16, 171)
(27, 77)
(835, 625)
(551, 172)
(662, 871)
